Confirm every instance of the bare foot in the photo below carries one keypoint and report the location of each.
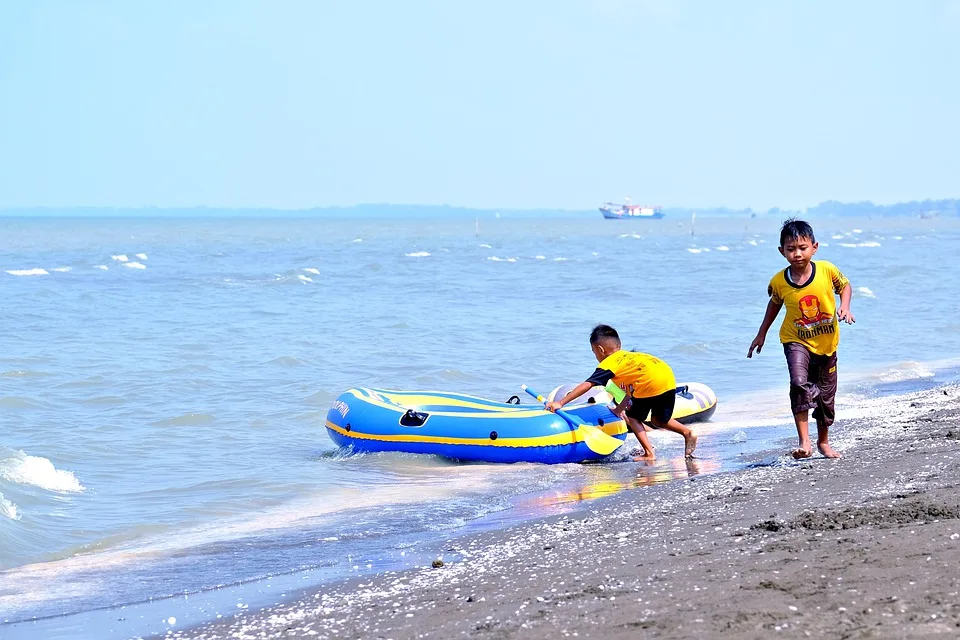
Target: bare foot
(690, 443)
(828, 451)
(801, 453)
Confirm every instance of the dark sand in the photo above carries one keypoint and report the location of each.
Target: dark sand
(863, 547)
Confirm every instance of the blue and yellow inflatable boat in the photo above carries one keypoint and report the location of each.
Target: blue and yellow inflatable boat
(464, 427)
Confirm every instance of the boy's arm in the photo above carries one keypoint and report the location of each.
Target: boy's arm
(844, 312)
(574, 393)
(773, 308)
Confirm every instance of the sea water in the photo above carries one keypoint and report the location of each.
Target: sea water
(164, 384)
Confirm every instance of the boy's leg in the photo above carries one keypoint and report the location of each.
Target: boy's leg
(661, 415)
(637, 428)
(824, 413)
(803, 395)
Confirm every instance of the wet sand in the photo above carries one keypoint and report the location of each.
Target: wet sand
(863, 547)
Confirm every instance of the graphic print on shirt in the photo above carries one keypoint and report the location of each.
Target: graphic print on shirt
(811, 314)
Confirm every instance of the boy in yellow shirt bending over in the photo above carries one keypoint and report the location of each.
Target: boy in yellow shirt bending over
(650, 388)
(810, 331)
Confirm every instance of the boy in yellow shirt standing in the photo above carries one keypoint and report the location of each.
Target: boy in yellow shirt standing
(810, 331)
(651, 389)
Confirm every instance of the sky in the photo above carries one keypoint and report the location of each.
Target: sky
(478, 103)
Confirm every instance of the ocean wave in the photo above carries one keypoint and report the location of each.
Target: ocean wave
(187, 420)
(866, 292)
(141, 256)
(135, 265)
(312, 270)
(538, 257)
(102, 267)
(304, 278)
(852, 245)
(485, 246)
(28, 272)
(20, 468)
(723, 247)
(120, 257)
(499, 259)
(8, 509)
(417, 254)
(61, 269)
(17, 402)
(23, 373)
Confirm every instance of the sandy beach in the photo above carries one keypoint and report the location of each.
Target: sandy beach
(863, 547)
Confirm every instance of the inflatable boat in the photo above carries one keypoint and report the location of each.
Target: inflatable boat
(465, 427)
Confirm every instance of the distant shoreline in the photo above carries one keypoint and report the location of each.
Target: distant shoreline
(924, 209)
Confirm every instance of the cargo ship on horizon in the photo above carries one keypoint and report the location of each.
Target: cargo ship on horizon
(612, 211)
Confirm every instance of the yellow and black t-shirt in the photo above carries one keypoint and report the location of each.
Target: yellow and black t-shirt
(811, 318)
(639, 374)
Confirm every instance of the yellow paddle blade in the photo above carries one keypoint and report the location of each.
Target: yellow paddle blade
(599, 441)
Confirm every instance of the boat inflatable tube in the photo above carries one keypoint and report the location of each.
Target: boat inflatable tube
(696, 402)
(464, 427)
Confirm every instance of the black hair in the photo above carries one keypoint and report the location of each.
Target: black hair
(794, 229)
(603, 332)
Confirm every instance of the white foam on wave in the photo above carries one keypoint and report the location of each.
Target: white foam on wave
(312, 270)
(897, 237)
(723, 247)
(499, 259)
(102, 267)
(694, 250)
(61, 269)
(8, 509)
(120, 257)
(417, 254)
(485, 246)
(539, 257)
(357, 240)
(555, 259)
(838, 236)
(866, 292)
(37, 471)
(135, 265)
(752, 242)
(852, 245)
(27, 272)
(304, 278)
(905, 371)
(857, 230)
(141, 256)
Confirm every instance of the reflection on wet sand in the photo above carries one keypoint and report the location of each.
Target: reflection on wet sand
(648, 473)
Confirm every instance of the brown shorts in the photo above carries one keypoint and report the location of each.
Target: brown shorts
(813, 382)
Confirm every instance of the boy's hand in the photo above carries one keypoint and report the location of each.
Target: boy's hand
(553, 406)
(756, 344)
(845, 315)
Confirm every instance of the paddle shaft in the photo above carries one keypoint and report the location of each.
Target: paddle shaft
(560, 412)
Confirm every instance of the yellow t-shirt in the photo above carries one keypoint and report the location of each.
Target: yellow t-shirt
(811, 318)
(639, 374)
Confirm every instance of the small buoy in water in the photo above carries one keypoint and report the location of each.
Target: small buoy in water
(437, 564)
